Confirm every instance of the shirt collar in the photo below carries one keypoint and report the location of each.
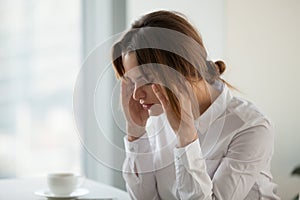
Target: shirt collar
(217, 108)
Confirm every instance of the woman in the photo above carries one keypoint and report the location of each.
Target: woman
(187, 136)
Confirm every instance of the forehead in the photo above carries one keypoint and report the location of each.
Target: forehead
(129, 61)
(133, 70)
(131, 66)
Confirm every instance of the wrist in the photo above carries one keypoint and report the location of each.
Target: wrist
(135, 132)
(186, 139)
(131, 138)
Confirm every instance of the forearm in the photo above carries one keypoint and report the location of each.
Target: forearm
(141, 187)
(134, 132)
(193, 181)
(138, 169)
(186, 137)
(183, 141)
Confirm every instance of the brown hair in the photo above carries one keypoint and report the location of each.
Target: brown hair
(167, 38)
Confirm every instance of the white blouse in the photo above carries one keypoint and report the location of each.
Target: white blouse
(230, 161)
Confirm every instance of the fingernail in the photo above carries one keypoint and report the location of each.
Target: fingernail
(155, 88)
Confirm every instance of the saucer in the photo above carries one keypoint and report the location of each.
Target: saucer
(77, 193)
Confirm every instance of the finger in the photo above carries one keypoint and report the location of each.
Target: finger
(125, 97)
(126, 90)
(123, 87)
(160, 95)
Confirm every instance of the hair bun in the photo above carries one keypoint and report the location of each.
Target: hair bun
(220, 66)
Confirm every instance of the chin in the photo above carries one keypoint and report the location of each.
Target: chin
(156, 110)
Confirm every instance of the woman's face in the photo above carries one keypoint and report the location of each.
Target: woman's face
(142, 90)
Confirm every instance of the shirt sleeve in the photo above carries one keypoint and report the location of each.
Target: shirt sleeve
(192, 180)
(248, 153)
(138, 169)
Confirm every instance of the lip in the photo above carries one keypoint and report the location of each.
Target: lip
(147, 106)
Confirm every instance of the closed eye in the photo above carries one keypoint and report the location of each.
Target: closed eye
(144, 80)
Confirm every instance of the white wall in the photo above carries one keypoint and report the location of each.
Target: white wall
(259, 42)
(207, 16)
(262, 50)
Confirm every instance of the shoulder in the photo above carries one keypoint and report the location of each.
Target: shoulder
(256, 135)
(249, 113)
(256, 128)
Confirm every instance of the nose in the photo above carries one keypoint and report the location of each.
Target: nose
(138, 93)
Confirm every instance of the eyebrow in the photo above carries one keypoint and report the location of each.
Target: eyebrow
(127, 77)
(139, 77)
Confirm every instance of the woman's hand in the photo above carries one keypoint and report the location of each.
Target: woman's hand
(184, 127)
(136, 116)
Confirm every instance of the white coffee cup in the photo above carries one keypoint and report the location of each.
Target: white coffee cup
(63, 183)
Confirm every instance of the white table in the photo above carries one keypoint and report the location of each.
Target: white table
(23, 189)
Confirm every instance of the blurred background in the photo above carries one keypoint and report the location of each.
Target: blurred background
(44, 43)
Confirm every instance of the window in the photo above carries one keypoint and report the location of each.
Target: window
(39, 59)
